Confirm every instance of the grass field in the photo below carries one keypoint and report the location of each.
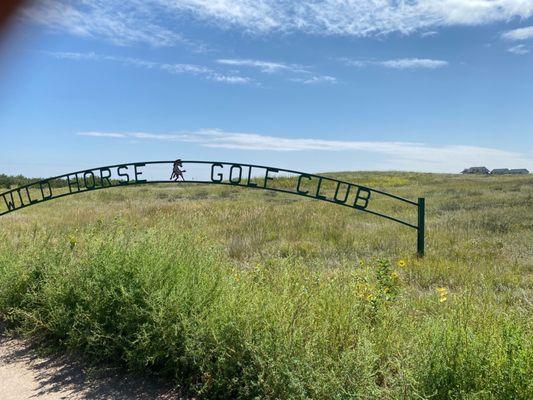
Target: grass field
(236, 293)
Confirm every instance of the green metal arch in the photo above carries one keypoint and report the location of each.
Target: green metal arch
(20, 197)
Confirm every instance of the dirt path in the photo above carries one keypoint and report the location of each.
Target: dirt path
(26, 375)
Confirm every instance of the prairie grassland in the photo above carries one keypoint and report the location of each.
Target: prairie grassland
(237, 293)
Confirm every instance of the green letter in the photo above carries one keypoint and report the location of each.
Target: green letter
(20, 197)
(85, 174)
(364, 195)
(267, 178)
(122, 182)
(250, 183)
(137, 173)
(235, 182)
(106, 177)
(70, 183)
(49, 189)
(29, 197)
(300, 184)
(318, 195)
(219, 179)
(345, 195)
(10, 204)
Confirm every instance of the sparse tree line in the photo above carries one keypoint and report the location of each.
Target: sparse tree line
(12, 181)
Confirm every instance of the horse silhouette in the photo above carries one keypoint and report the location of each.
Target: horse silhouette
(176, 171)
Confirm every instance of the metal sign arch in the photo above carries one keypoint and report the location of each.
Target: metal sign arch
(347, 194)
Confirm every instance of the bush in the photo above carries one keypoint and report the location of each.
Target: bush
(172, 305)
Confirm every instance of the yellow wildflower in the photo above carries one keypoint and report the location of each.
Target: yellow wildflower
(394, 275)
(72, 241)
(402, 263)
(443, 294)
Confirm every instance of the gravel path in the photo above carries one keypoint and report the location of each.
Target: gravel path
(24, 374)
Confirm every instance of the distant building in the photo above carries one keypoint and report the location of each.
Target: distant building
(507, 171)
(496, 171)
(500, 171)
(476, 170)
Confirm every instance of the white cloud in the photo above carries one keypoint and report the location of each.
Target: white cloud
(413, 63)
(316, 79)
(401, 63)
(67, 55)
(520, 49)
(243, 80)
(354, 63)
(121, 23)
(271, 67)
(103, 134)
(194, 69)
(178, 68)
(429, 34)
(519, 34)
(264, 66)
(353, 17)
(140, 21)
(395, 153)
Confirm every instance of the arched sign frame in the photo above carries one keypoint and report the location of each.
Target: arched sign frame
(354, 195)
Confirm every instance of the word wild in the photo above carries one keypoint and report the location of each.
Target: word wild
(76, 182)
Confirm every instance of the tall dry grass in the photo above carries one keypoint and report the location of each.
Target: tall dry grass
(242, 294)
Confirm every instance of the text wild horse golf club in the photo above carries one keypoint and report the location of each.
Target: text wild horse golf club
(212, 172)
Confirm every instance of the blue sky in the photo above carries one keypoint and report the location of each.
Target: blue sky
(432, 85)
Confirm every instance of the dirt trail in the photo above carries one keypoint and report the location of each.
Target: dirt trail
(26, 375)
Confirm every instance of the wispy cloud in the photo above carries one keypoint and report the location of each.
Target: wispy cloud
(519, 34)
(240, 80)
(170, 68)
(123, 24)
(429, 34)
(519, 49)
(316, 80)
(446, 157)
(303, 73)
(400, 63)
(413, 63)
(140, 21)
(264, 66)
(104, 134)
(355, 17)
(200, 70)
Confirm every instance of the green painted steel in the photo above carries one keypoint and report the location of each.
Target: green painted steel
(421, 226)
(252, 176)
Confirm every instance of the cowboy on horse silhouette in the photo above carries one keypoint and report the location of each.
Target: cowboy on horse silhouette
(176, 171)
